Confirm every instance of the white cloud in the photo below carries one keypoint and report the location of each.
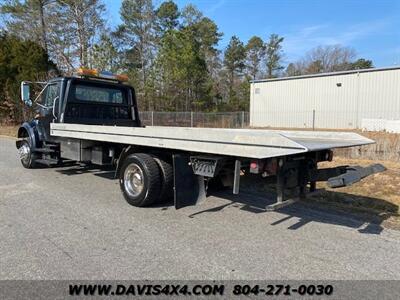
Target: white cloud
(298, 42)
(218, 4)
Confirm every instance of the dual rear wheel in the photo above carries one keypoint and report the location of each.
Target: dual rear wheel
(146, 179)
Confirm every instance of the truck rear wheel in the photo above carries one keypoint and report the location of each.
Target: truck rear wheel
(167, 179)
(140, 180)
(28, 157)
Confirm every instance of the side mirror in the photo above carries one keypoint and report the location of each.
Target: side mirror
(25, 93)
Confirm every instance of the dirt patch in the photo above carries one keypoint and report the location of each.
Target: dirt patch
(8, 130)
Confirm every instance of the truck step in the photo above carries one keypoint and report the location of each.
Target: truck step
(51, 146)
(45, 150)
(48, 161)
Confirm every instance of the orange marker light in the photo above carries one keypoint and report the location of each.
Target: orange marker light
(88, 72)
(122, 77)
(103, 74)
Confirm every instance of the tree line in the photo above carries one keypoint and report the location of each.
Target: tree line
(170, 54)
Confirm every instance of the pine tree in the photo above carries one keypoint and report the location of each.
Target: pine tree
(274, 55)
(138, 31)
(167, 16)
(234, 61)
(83, 21)
(19, 60)
(255, 50)
(104, 55)
(28, 19)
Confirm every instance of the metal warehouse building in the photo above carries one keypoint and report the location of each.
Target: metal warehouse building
(340, 100)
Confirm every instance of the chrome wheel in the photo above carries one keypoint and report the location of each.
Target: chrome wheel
(24, 152)
(133, 180)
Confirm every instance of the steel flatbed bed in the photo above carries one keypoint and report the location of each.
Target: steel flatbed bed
(248, 143)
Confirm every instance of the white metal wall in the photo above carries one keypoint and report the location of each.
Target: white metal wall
(338, 101)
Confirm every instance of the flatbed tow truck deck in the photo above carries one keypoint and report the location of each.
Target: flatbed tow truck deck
(250, 143)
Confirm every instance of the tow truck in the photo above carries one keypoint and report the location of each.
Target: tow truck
(93, 118)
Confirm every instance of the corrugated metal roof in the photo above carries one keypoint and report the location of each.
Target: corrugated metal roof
(327, 74)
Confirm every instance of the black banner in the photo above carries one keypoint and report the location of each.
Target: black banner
(274, 289)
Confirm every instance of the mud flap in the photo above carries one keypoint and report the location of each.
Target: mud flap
(189, 189)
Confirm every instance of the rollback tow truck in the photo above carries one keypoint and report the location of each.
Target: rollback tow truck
(92, 118)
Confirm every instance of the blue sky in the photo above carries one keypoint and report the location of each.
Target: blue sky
(371, 27)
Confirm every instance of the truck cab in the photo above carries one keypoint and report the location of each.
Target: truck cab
(89, 97)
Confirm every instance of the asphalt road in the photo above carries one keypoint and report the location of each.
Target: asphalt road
(72, 223)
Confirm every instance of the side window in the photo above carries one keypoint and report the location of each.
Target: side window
(50, 94)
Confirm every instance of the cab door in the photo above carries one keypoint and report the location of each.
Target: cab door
(48, 108)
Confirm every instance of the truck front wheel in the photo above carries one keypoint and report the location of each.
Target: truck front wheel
(140, 180)
(28, 158)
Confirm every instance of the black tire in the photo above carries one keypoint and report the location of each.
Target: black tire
(167, 179)
(29, 161)
(144, 167)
